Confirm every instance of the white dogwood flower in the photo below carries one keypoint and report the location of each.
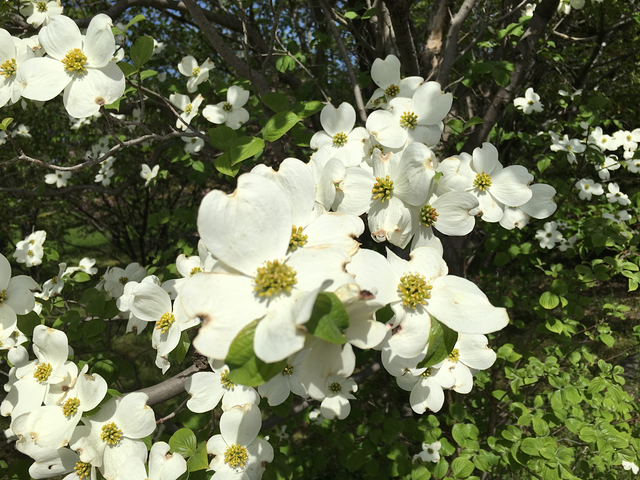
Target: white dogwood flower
(79, 65)
(197, 74)
(231, 112)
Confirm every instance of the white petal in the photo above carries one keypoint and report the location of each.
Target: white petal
(98, 87)
(511, 186)
(463, 307)
(99, 43)
(134, 417)
(248, 227)
(241, 424)
(43, 78)
(59, 36)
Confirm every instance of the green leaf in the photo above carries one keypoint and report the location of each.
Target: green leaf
(544, 164)
(127, 69)
(141, 51)
(183, 347)
(133, 21)
(198, 460)
(328, 319)
(549, 300)
(532, 446)
(96, 307)
(351, 15)
(372, 12)
(81, 277)
(473, 121)
(285, 63)
(104, 368)
(277, 102)
(5, 123)
(245, 147)
(222, 137)
(540, 427)
(246, 368)
(223, 165)
(462, 467)
(183, 442)
(441, 341)
(93, 328)
(278, 125)
(198, 166)
(26, 323)
(306, 109)
(147, 74)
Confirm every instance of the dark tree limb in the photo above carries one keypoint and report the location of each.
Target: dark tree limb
(439, 22)
(400, 13)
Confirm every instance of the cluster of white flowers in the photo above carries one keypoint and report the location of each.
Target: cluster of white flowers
(550, 235)
(30, 250)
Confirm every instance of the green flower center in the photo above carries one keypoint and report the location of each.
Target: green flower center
(111, 433)
(227, 107)
(335, 387)
(165, 322)
(195, 72)
(74, 61)
(391, 91)
(41, 6)
(378, 146)
(408, 120)
(32, 242)
(123, 280)
(430, 451)
(83, 470)
(195, 270)
(482, 181)
(8, 68)
(382, 188)
(188, 109)
(414, 290)
(42, 372)
(273, 278)
(298, 239)
(454, 356)
(236, 455)
(339, 139)
(288, 370)
(428, 215)
(70, 407)
(224, 380)
(30, 253)
(3, 296)
(54, 280)
(427, 372)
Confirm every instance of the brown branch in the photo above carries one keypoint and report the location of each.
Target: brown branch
(451, 46)
(258, 81)
(400, 13)
(328, 13)
(439, 21)
(174, 385)
(523, 66)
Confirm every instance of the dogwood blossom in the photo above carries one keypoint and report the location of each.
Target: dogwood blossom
(238, 454)
(549, 236)
(616, 196)
(529, 103)
(30, 250)
(147, 173)
(40, 12)
(60, 178)
(386, 75)
(570, 146)
(188, 107)
(79, 65)
(197, 74)
(339, 136)
(231, 112)
(587, 188)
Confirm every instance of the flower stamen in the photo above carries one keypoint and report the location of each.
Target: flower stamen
(273, 278)
(428, 216)
(74, 61)
(408, 120)
(111, 434)
(165, 322)
(236, 455)
(382, 188)
(414, 290)
(482, 181)
(298, 239)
